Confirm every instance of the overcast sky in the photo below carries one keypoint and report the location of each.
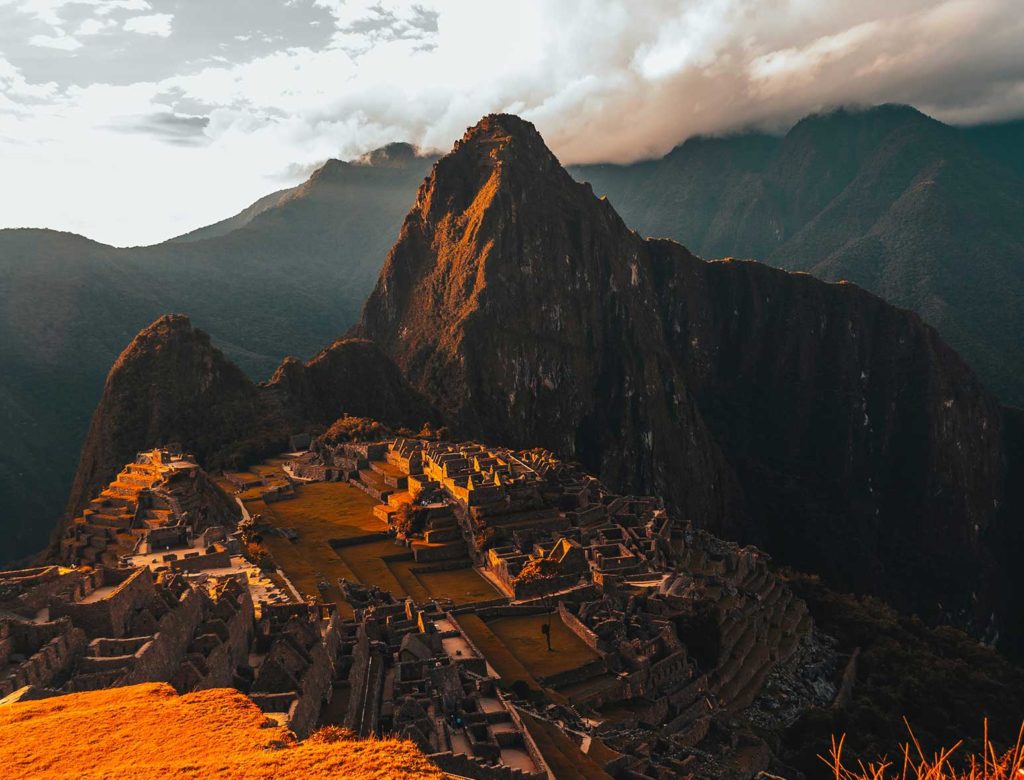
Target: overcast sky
(131, 121)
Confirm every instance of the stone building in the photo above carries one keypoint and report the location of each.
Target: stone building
(74, 630)
(686, 628)
(295, 651)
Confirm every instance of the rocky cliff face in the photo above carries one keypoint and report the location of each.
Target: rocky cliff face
(924, 214)
(831, 428)
(350, 377)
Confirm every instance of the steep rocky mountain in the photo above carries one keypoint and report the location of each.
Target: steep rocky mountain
(926, 215)
(172, 386)
(352, 376)
(832, 429)
(284, 277)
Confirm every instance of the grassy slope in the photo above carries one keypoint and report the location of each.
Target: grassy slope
(147, 731)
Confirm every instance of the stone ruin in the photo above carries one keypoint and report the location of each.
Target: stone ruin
(296, 650)
(81, 630)
(686, 628)
(414, 673)
(162, 499)
(165, 599)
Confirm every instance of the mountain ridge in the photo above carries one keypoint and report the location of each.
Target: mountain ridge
(529, 313)
(924, 214)
(172, 387)
(296, 275)
(287, 282)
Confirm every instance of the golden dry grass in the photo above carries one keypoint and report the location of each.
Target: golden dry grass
(913, 764)
(148, 731)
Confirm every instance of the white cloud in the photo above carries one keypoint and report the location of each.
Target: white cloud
(94, 26)
(150, 24)
(602, 79)
(59, 40)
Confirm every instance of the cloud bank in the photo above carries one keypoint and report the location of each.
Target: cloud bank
(134, 120)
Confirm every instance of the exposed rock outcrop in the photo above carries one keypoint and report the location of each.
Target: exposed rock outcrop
(352, 376)
(834, 430)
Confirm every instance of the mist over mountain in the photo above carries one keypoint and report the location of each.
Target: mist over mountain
(925, 215)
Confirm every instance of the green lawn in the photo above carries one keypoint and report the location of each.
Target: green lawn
(498, 655)
(463, 586)
(322, 511)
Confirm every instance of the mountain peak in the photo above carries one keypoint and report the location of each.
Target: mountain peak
(500, 153)
(162, 333)
(505, 138)
(398, 154)
(169, 385)
(527, 312)
(499, 126)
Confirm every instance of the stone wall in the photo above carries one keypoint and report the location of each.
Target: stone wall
(590, 639)
(26, 591)
(317, 682)
(163, 656)
(220, 559)
(461, 765)
(50, 648)
(109, 615)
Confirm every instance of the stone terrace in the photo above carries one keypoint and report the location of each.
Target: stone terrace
(162, 499)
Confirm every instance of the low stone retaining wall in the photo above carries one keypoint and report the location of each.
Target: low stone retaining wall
(462, 765)
(570, 676)
(352, 541)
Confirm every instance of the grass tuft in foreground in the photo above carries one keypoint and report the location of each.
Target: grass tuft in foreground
(944, 765)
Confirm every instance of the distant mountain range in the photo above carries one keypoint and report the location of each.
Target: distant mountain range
(928, 216)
